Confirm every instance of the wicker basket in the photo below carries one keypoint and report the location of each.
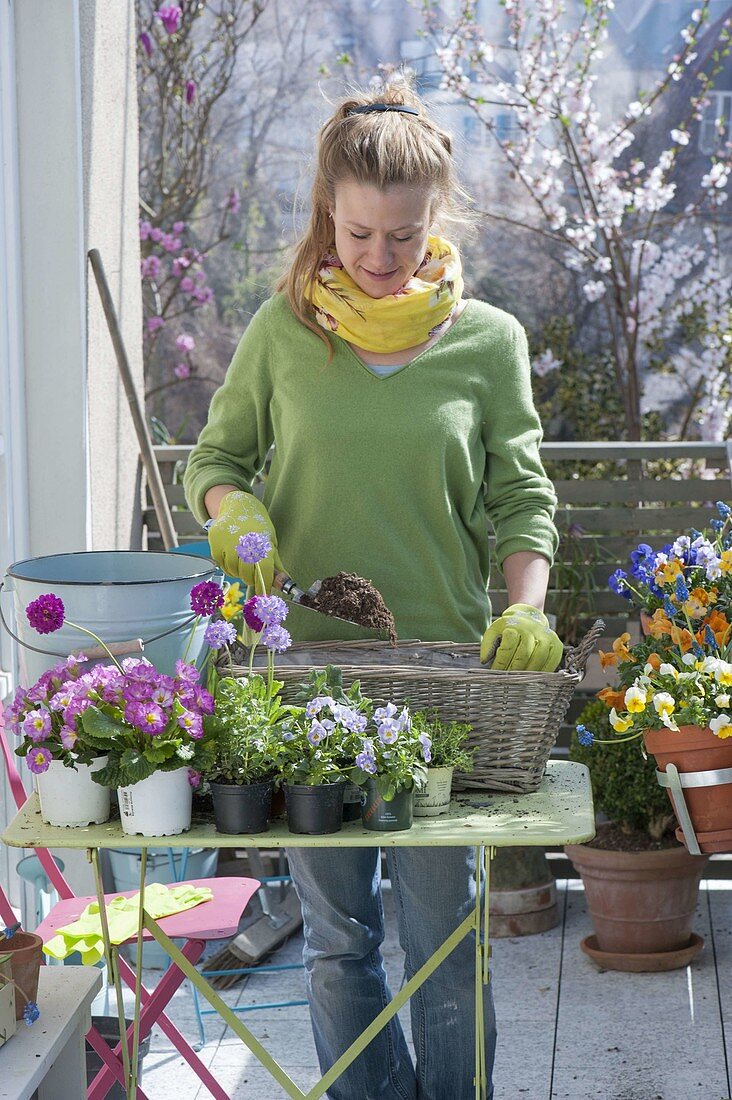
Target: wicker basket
(515, 715)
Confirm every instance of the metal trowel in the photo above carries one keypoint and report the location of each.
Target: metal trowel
(292, 591)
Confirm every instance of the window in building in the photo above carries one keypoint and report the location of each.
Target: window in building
(716, 125)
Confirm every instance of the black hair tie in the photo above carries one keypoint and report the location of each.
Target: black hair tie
(368, 107)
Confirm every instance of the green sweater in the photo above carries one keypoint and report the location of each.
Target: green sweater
(392, 478)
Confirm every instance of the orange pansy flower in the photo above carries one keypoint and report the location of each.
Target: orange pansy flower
(612, 698)
(659, 624)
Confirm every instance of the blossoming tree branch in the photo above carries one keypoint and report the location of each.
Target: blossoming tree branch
(652, 264)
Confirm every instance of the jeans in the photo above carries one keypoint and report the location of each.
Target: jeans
(343, 925)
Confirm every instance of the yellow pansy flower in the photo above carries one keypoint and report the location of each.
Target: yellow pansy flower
(668, 572)
(635, 699)
(721, 726)
(620, 724)
(664, 703)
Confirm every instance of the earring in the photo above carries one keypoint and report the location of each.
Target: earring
(330, 215)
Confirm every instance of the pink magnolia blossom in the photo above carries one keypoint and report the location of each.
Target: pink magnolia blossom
(182, 370)
(155, 323)
(185, 342)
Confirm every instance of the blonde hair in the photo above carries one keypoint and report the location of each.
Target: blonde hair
(379, 148)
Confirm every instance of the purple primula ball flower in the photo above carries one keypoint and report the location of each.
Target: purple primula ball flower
(219, 634)
(170, 16)
(194, 778)
(46, 614)
(253, 547)
(38, 760)
(249, 610)
(37, 725)
(366, 762)
(206, 597)
(388, 731)
(31, 1013)
(185, 673)
(276, 638)
(271, 610)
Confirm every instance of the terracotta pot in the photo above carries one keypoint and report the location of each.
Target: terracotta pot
(26, 960)
(640, 902)
(694, 749)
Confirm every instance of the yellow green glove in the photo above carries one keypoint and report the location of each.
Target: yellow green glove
(521, 640)
(243, 514)
(85, 934)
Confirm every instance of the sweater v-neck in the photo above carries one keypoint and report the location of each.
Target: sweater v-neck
(400, 369)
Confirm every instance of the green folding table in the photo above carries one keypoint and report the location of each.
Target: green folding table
(559, 812)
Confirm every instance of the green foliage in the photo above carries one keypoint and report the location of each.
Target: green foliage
(244, 726)
(624, 784)
(449, 749)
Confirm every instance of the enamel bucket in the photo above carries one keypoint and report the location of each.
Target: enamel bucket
(120, 595)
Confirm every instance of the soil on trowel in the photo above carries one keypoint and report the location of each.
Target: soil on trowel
(352, 597)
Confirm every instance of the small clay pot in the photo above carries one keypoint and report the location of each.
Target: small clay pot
(26, 959)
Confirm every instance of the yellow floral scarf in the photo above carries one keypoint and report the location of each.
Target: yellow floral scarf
(414, 314)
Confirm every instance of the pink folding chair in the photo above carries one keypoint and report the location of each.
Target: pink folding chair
(215, 919)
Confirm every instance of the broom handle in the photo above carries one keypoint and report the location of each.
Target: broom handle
(152, 470)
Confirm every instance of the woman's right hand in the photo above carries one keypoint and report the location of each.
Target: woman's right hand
(242, 514)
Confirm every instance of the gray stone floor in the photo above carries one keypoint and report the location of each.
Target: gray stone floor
(567, 1031)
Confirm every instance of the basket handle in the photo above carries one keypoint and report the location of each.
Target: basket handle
(576, 657)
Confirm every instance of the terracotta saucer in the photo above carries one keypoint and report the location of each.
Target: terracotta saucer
(643, 962)
(720, 841)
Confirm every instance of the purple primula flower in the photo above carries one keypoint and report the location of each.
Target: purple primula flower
(271, 610)
(46, 614)
(254, 547)
(194, 778)
(426, 742)
(190, 91)
(191, 723)
(163, 696)
(382, 714)
(37, 725)
(31, 1013)
(146, 43)
(170, 16)
(276, 638)
(185, 673)
(206, 598)
(68, 736)
(148, 717)
(203, 700)
(219, 634)
(38, 760)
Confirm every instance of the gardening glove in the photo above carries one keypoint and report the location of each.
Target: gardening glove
(241, 514)
(521, 640)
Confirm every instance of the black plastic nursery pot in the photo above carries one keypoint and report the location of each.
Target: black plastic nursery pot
(351, 803)
(314, 810)
(387, 817)
(242, 807)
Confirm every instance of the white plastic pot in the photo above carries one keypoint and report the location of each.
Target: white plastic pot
(434, 798)
(157, 806)
(70, 797)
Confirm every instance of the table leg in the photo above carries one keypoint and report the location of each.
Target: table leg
(111, 955)
(132, 1084)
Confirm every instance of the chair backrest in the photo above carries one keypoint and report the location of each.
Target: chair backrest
(21, 795)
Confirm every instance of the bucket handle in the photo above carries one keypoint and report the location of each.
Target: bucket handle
(133, 642)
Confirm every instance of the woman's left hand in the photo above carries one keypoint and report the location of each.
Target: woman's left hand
(521, 640)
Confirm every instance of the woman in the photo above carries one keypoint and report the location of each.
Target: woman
(402, 419)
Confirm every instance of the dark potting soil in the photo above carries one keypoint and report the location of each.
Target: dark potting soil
(354, 598)
(611, 837)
